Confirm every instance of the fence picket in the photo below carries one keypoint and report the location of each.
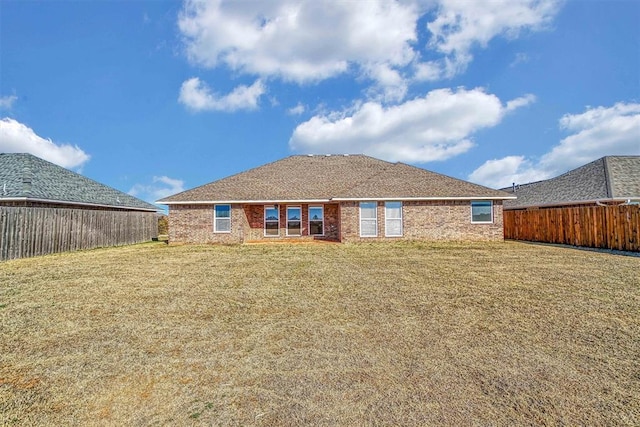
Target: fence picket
(31, 231)
(611, 227)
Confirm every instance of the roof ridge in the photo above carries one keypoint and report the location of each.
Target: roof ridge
(27, 174)
(607, 176)
(622, 155)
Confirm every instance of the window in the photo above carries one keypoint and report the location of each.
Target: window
(271, 221)
(222, 219)
(482, 212)
(393, 219)
(368, 219)
(316, 220)
(294, 221)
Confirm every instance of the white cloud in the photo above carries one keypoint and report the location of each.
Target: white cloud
(297, 41)
(390, 85)
(6, 102)
(161, 186)
(460, 26)
(523, 101)
(501, 173)
(312, 41)
(16, 137)
(297, 110)
(521, 58)
(434, 127)
(197, 96)
(427, 71)
(598, 132)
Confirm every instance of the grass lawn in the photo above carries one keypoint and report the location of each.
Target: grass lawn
(381, 334)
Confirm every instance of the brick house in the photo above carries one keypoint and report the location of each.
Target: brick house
(342, 198)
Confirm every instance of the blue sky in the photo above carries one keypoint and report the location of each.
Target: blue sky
(153, 97)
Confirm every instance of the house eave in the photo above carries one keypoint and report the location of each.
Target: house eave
(621, 200)
(360, 199)
(248, 202)
(66, 202)
(335, 199)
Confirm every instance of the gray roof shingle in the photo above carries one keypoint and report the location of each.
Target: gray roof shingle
(331, 177)
(25, 176)
(608, 178)
(624, 176)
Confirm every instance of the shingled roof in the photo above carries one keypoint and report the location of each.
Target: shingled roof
(333, 177)
(610, 178)
(30, 178)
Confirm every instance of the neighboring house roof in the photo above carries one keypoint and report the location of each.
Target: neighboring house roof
(27, 177)
(610, 178)
(333, 177)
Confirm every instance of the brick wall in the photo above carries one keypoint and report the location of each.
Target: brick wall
(255, 222)
(426, 220)
(194, 224)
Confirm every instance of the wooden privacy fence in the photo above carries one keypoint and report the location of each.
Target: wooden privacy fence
(33, 231)
(610, 227)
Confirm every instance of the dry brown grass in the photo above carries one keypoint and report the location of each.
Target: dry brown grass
(381, 334)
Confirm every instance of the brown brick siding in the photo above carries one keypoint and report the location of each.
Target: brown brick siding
(426, 220)
(255, 216)
(421, 220)
(194, 224)
(332, 222)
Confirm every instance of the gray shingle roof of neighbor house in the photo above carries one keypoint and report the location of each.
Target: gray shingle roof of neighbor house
(27, 177)
(609, 178)
(333, 177)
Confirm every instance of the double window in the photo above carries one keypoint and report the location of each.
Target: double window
(271, 221)
(392, 219)
(482, 212)
(222, 219)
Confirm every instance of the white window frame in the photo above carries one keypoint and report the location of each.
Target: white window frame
(299, 208)
(483, 202)
(321, 219)
(216, 218)
(374, 220)
(277, 208)
(387, 220)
